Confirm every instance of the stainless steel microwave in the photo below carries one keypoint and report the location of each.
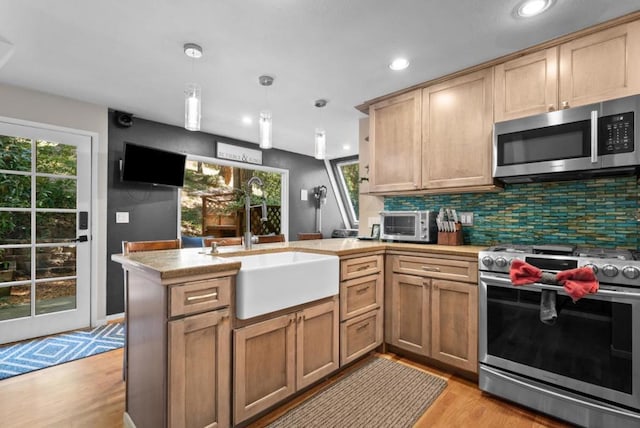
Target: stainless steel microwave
(580, 142)
(409, 226)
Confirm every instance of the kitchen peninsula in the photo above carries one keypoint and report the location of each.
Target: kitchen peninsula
(183, 333)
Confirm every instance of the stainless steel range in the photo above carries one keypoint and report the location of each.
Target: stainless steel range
(584, 367)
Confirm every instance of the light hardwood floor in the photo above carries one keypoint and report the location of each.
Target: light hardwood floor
(90, 393)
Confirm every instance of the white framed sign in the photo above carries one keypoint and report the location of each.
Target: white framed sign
(239, 154)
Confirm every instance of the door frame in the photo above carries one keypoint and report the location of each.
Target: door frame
(94, 258)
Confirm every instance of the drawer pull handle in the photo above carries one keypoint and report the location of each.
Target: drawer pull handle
(362, 290)
(202, 296)
(431, 269)
(365, 267)
(363, 326)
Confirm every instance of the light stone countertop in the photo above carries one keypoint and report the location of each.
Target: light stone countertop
(191, 261)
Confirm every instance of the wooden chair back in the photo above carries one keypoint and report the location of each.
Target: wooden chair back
(135, 246)
(307, 236)
(236, 240)
(263, 239)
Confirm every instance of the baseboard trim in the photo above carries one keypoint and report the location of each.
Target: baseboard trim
(115, 317)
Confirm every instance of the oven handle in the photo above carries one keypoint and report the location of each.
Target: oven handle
(506, 282)
(558, 395)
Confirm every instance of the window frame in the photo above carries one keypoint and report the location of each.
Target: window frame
(284, 188)
(343, 192)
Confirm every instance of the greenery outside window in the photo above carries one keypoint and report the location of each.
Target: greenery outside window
(346, 171)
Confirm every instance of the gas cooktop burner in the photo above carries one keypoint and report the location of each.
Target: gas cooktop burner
(610, 265)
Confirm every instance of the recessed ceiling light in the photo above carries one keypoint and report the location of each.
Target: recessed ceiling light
(399, 64)
(192, 50)
(346, 147)
(529, 8)
(247, 120)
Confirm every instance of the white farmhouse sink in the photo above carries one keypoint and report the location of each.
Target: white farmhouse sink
(273, 281)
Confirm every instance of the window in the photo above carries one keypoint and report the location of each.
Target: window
(212, 199)
(346, 171)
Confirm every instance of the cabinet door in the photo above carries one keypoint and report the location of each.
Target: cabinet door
(360, 335)
(601, 66)
(394, 139)
(410, 326)
(454, 338)
(264, 369)
(317, 343)
(199, 364)
(457, 126)
(527, 85)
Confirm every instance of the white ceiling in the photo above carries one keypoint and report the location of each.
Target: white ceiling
(127, 55)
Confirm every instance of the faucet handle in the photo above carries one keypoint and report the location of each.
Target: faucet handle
(214, 247)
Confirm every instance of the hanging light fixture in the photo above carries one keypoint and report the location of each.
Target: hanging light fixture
(192, 93)
(265, 120)
(320, 136)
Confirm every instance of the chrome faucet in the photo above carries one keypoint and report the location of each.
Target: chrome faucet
(248, 238)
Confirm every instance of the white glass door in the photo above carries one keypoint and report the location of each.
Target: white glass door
(45, 191)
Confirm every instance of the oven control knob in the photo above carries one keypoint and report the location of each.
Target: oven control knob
(594, 268)
(501, 262)
(487, 261)
(609, 270)
(631, 272)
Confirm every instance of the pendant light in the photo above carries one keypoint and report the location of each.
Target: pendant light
(192, 93)
(320, 136)
(265, 121)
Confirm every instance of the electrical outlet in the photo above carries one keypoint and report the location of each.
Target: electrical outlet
(466, 218)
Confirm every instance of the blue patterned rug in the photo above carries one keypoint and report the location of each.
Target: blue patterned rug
(37, 354)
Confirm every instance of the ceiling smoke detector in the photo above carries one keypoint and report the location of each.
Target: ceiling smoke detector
(192, 50)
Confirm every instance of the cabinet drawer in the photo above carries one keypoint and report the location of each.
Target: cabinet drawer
(361, 266)
(360, 295)
(457, 270)
(360, 335)
(199, 296)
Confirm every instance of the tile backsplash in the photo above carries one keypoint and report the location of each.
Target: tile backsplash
(599, 212)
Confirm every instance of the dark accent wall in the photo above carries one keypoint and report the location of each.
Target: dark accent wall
(153, 210)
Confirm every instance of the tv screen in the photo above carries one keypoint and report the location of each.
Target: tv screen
(148, 165)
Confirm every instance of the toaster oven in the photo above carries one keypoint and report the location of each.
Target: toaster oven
(409, 226)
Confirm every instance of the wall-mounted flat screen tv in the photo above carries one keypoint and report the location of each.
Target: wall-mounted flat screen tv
(144, 164)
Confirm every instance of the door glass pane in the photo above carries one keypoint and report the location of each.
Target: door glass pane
(15, 191)
(15, 264)
(15, 153)
(55, 227)
(55, 158)
(53, 262)
(15, 227)
(15, 302)
(55, 296)
(55, 192)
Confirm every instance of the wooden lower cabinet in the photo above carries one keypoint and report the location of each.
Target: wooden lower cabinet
(410, 313)
(275, 358)
(199, 368)
(360, 335)
(454, 328)
(433, 317)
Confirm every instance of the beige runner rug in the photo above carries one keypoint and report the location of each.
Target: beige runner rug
(383, 393)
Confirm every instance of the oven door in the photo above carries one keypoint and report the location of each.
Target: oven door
(401, 226)
(590, 349)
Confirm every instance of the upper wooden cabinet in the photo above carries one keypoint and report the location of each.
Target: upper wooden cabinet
(457, 126)
(527, 85)
(395, 138)
(586, 70)
(601, 66)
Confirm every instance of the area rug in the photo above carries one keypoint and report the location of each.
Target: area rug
(383, 393)
(37, 354)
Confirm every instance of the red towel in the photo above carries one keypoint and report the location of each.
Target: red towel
(522, 273)
(576, 282)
